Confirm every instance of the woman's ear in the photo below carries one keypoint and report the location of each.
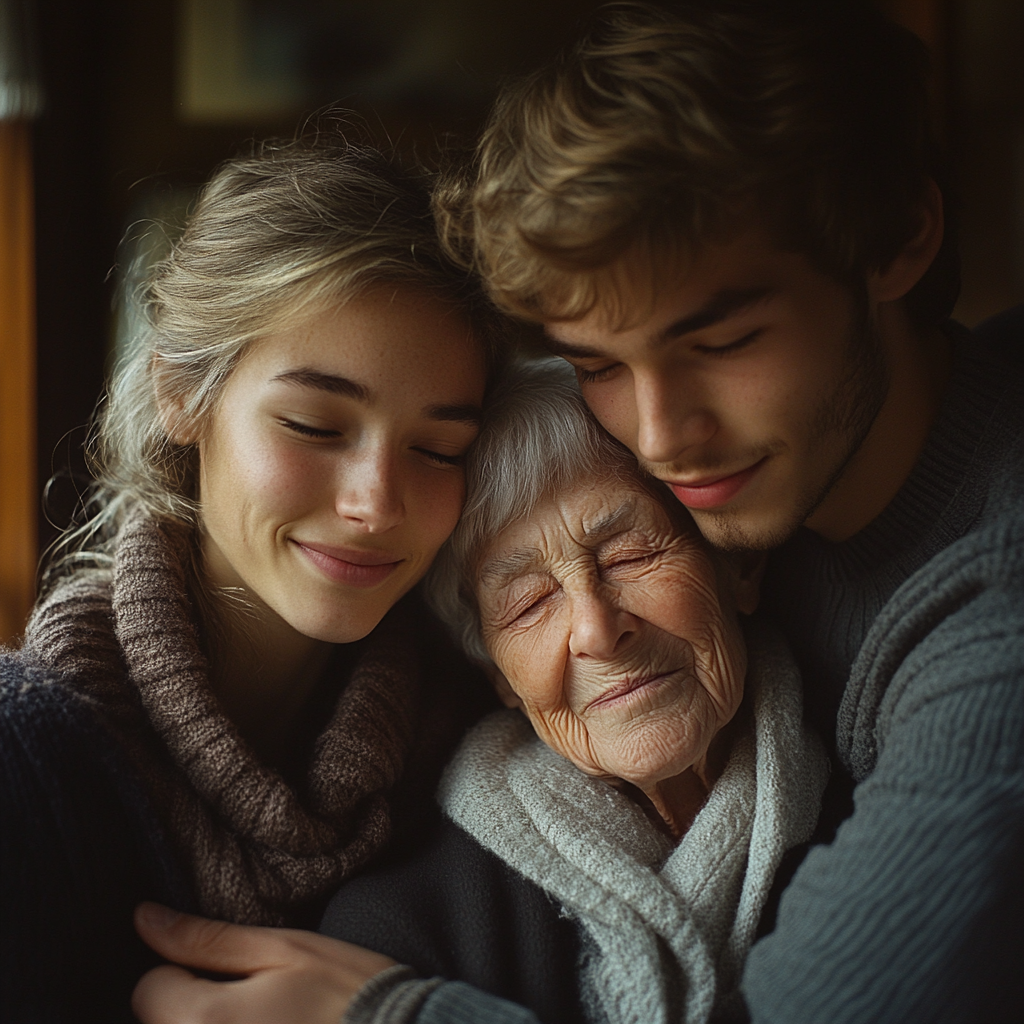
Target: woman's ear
(746, 568)
(171, 407)
(898, 277)
(501, 685)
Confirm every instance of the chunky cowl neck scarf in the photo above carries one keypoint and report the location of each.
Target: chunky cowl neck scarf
(259, 850)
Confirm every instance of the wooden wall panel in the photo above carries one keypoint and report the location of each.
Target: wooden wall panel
(17, 381)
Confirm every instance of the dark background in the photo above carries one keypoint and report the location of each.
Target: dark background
(128, 132)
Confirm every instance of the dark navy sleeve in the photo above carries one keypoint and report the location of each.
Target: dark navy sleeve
(80, 846)
(451, 909)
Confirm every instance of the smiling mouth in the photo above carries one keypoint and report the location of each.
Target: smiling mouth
(626, 689)
(350, 565)
(712, 491)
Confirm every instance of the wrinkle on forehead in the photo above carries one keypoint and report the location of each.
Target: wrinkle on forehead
(587, 530)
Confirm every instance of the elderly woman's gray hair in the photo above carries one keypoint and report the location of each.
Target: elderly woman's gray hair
(538, 438)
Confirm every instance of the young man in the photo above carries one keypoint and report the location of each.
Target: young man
(725, 216)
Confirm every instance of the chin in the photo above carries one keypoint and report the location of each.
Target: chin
(737, 531)
(340, 628)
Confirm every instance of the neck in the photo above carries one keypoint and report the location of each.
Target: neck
(677, 801)
(262, 671)
(918, 366)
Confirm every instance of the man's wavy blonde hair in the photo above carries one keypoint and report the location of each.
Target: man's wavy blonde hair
(669, 127)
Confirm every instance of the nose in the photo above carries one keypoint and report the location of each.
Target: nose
(370, 493)
(599, 627)
(672, 416)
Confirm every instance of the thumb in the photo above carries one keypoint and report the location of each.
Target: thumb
(201, 943)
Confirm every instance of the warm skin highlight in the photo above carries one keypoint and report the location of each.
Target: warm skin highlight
(765, 393)
(607, 620)
(330, 474)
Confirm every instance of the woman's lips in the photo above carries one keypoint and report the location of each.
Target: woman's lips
(714, 491)
(349, 565)
(625, 689)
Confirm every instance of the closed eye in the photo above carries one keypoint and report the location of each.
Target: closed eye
(734, 346)
(305, 430)
(440, 459)
(627, 563)
(585, 376)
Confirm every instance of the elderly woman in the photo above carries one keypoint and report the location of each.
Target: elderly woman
(607, 847)
(639, 784)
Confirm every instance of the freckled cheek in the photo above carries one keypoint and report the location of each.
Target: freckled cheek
(433, 508)
(615, 409)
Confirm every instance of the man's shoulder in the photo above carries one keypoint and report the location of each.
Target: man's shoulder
(957, 622)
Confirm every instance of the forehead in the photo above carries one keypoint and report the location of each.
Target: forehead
(649, 293)
(581, 517)
(393, 335)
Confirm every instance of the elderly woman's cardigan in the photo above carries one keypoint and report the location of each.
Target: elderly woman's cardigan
(664, 930)
(259, 850)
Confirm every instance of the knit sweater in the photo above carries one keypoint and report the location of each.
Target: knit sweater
(260, 848)
(668, 928)
(665, 927)
(911, 640)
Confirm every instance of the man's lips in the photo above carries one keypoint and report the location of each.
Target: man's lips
(714, 491)
(350, 565)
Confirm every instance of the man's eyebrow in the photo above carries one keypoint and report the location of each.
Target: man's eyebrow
(455, 413)
(500, 572)
(320, 381)
(719, 307)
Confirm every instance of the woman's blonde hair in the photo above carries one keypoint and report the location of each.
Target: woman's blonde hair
(274, 236)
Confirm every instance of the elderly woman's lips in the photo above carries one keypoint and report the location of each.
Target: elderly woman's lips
(351, 566)
(625, 689)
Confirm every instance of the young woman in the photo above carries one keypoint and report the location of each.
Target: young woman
(226, 697)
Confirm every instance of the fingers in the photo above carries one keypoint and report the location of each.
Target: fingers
(170, 995)
(209, 945)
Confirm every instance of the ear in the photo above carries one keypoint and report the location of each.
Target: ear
(501, 685)
(171, 407)
(895, 280)
(746, 568)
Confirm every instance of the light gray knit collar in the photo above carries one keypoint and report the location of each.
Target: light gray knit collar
(667, 929)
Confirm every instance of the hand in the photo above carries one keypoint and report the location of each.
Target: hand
(289, 976)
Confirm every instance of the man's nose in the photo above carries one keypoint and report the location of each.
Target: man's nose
(600, 628)
(672, 417)
(370, 494)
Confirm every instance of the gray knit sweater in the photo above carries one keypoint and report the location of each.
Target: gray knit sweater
(912, 634)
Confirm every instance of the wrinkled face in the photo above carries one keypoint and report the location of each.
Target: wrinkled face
(748, 389)
(331, 469)
(607, 619)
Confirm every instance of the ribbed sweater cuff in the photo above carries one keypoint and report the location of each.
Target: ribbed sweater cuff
(392, 997)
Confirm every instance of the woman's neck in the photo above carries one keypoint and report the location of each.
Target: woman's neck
(263, 673)
(678, 800)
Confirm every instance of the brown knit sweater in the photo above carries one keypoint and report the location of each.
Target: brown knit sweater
(259, 850)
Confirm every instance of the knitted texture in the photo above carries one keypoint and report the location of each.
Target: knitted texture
(669, 928)
(257, 849)
(914, 631)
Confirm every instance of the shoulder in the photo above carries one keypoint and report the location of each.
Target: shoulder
(955, 627)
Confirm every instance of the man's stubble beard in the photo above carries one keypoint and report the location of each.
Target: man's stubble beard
(843, 419)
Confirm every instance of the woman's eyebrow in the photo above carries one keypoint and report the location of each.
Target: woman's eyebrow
(612, 522)
(306, 377)
(455, 413)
